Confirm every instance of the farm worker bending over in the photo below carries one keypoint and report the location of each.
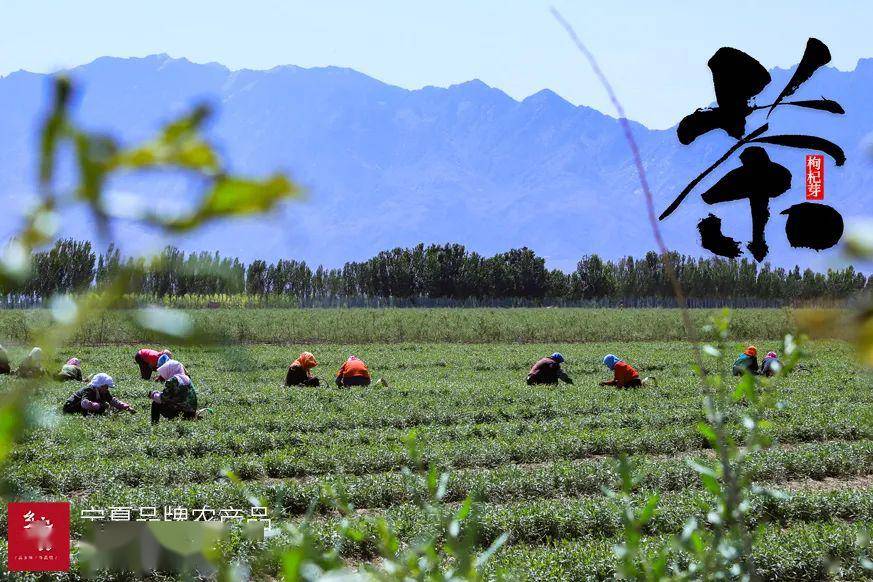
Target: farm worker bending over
(95, 398)
(299, 372)
(548, 371)
(747, 362)
(148, 361)
(72, 370)
(5, 368)
(177, 398)
(624, 376)
(353, 372)
(31, 366)
(770, 366)
(167, 368)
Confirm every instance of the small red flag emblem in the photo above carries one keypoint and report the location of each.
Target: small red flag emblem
(39, 537)
(815, 165)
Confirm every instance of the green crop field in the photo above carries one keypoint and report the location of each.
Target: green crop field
(536, 459)
(478, 325)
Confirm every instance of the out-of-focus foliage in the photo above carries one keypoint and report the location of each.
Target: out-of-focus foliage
(859, 245)
(725, 544)
(96, 158)
(855, 323)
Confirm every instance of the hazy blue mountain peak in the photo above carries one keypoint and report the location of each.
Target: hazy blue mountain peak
(386, 166)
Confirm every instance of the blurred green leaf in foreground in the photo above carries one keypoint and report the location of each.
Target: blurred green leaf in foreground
(179, 146)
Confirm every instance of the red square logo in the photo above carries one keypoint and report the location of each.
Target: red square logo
(39, 537)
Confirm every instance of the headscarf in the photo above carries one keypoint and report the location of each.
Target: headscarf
(102, 380)
(35, 355)
(170, 368)
(306, 361)
(557, 357)
(182, 379)
(771, 355)
(163, 359)
(74, 362)
(751, 351)
(610, 360)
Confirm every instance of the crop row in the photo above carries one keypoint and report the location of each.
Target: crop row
(332, 410)
(506, 484)
(393, 325)
(597, 517)
(254, 430)
(260, 432)
(800, 552)
(194, 440)
(803, 552)
(361, 452)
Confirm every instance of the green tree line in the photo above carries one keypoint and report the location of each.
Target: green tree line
(447, 272)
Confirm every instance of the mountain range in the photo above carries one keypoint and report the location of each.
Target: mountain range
(385, 166)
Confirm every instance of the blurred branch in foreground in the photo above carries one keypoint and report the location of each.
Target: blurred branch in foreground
(178, 146)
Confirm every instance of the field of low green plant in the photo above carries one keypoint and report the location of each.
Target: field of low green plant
(397, 325)
(535, 459)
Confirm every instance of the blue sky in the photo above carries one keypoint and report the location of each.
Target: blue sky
(654, 52)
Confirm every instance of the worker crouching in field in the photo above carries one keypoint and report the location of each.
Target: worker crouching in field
(31, 366)
(548, 371)
(624, 375)
(148, 361)
(71, 371)
(95, 398)
(299, 372)
(5, 368)
(353, 372)
(178, 398)
(167, 368)
(770, 366)
(746, 362)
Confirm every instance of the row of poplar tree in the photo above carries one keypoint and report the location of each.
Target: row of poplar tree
(449, 272)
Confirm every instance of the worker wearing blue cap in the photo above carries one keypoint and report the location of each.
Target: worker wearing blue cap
(548, 371)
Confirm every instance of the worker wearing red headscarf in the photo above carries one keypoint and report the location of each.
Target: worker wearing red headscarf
(300, 371)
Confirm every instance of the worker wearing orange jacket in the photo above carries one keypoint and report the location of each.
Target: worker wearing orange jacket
(624, 376)
(353, 372)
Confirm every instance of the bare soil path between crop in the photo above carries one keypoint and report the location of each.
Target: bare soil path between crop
(827, 484)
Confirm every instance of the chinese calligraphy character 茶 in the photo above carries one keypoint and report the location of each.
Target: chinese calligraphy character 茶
(737, 79)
